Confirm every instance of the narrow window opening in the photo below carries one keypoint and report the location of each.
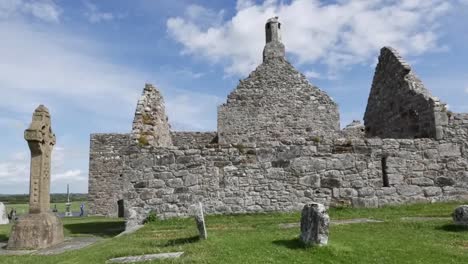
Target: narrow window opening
(384, 172)
(279, 25)
(120, 204)
(268, 25)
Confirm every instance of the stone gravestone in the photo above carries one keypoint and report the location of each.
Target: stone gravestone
(200, 220)
(460, 215)
(314, 225)
(3, 215)
(40, 228)
(68, 212)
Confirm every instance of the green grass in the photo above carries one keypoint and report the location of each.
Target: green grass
(257, 238)
(24, 208)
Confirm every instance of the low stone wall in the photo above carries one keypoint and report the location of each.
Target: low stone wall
(360, 173)
(193, 139)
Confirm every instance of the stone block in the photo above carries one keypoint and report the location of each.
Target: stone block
(310, 180)
(460, 215)
(408, 190)
(365, 202)
(449, 150)
(444, 181)
(422, 182)
(314, 225)
(36, 231)
(432, 191)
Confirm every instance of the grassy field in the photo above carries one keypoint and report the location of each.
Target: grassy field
(23, 208)
(257, 238)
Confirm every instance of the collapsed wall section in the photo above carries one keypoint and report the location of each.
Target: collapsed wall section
(275, 103)
(150, 125)
(358, 172)
(399, 106)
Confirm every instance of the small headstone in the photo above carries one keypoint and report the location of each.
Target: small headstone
(314, 225)
(200, 220)
(3, 215)
(460, 215)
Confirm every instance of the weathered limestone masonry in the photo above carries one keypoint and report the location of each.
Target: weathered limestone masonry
(278, 147)
(358, 172)
(39, 228)
(276, 102)
(150, 125)
(399, 105)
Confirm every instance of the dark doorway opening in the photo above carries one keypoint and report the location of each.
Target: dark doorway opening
(120, 204)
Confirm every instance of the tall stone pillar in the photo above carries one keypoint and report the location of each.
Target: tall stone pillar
(40, 228)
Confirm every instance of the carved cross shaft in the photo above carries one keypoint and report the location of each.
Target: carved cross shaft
(41, 141)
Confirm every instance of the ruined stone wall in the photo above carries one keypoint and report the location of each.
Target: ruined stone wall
(399, 105)
(193, 139)
(150, 124)
(275, 103)
(105, 181)
(284, 178)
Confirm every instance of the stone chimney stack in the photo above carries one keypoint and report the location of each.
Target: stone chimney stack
(273, 47)
(273, 30)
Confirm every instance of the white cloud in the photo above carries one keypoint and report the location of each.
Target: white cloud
(338, 35)
(95, 16)
(312, 74)
(192, 111)
(46, 10)
(15, 171)
(69, 176)
(64, 68)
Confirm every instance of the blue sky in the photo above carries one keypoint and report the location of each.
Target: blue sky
(88, 61)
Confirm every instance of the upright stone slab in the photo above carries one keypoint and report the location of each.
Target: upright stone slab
(150, 125)
(314, 225)
(460, 215)
(40, 228)
(3, 215)
(200, 220)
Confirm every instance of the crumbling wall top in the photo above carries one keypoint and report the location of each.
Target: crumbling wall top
(150, 125)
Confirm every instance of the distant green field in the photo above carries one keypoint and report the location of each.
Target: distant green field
(23, 208)
(258, 238)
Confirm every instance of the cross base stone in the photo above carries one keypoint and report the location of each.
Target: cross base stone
(36, 231)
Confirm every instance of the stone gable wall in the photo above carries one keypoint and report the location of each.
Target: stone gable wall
(399, 105)
(275, 103)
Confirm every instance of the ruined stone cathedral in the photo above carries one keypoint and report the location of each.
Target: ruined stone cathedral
(278, 146)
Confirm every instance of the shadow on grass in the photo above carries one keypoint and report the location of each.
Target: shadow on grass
(3, 238)
(102, 229)
(294, 243)
(181, 241)
(453, 228)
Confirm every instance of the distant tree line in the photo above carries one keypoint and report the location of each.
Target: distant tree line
(54, 198)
